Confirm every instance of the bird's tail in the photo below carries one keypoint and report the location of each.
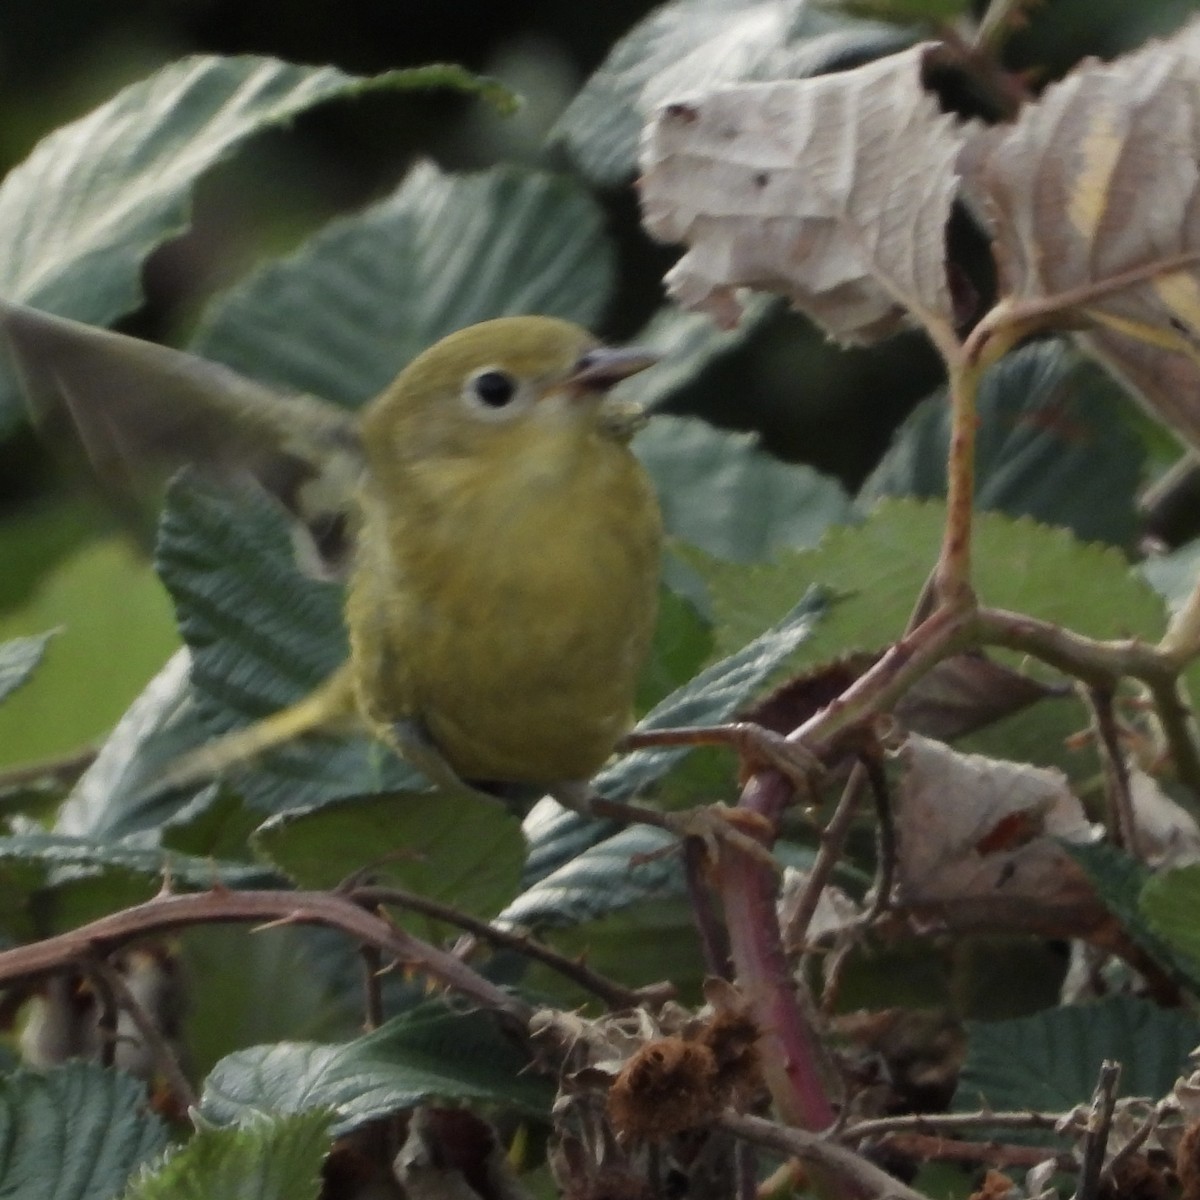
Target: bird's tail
(328, 708)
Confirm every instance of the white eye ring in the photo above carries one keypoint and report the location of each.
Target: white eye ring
(494, 395)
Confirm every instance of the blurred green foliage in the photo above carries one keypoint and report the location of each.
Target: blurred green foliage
(68, 562)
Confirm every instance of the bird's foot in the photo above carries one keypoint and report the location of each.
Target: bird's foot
(717, 825)
(713, 824)
(757, 746)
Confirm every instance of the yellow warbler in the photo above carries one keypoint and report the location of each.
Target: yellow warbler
(499, 539)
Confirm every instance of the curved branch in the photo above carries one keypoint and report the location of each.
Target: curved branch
(615, 995)
(167, 912)
(863, 1176)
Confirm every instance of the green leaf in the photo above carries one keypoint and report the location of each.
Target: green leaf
(68, 881)
(1049, 1062)
(637, 865)
(1170, 902)
(116, 622)
(215, 825)
(457, 849)
(364, 296)
(264, 1159)
(1057, 36)
(1119, 880)
(724, 493)
(641, 944)
(602, 878)
(82, 213)
(711, 697)
(19, 883)
(57, 852)
(19, 659)
(76, 1132)
(1052, 444)
(263, 986)
(262, 635)
(877, 569)
(689, 45)
(114, 797)
(427, 1053)
(682, 644)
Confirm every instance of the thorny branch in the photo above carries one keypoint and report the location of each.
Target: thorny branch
(613, 994)
(372, 966)
(864, 1176)
(1095, 1144)
(948, 1122)
(833, 842)
(881, 892)
(747, 889)
(926, 1147)
(168, 912)
(1121, 820)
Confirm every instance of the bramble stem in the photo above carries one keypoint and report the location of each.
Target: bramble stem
(1104, 1101)
(942, 634)
(1121, 822)
(166, 912)
(825, 1159)
(952, 576)
(793, 1067)
(1101, 664)
(833, 842)
(614, 994)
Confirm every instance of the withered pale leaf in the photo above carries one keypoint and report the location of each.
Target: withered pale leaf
(834, 191)
(836, 912)
(1097, 181)
(970, 828)
(684, 46)
(1167, 834)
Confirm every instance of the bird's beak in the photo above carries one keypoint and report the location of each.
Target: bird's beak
(600, 369)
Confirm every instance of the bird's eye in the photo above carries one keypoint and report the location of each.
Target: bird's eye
(494, 388)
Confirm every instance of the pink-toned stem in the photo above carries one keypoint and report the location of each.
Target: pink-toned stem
(792, 1063)
(952, 576)
(167, 912)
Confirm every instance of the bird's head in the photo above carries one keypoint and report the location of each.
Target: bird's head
(507, 389)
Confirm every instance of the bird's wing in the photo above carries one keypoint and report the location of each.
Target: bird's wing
(134, 404)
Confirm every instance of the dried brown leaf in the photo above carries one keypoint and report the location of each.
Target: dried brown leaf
(960, 695)
(966, 693)
(834, 191)
(1093, 200)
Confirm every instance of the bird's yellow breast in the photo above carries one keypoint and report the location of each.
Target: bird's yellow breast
(508, 601)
